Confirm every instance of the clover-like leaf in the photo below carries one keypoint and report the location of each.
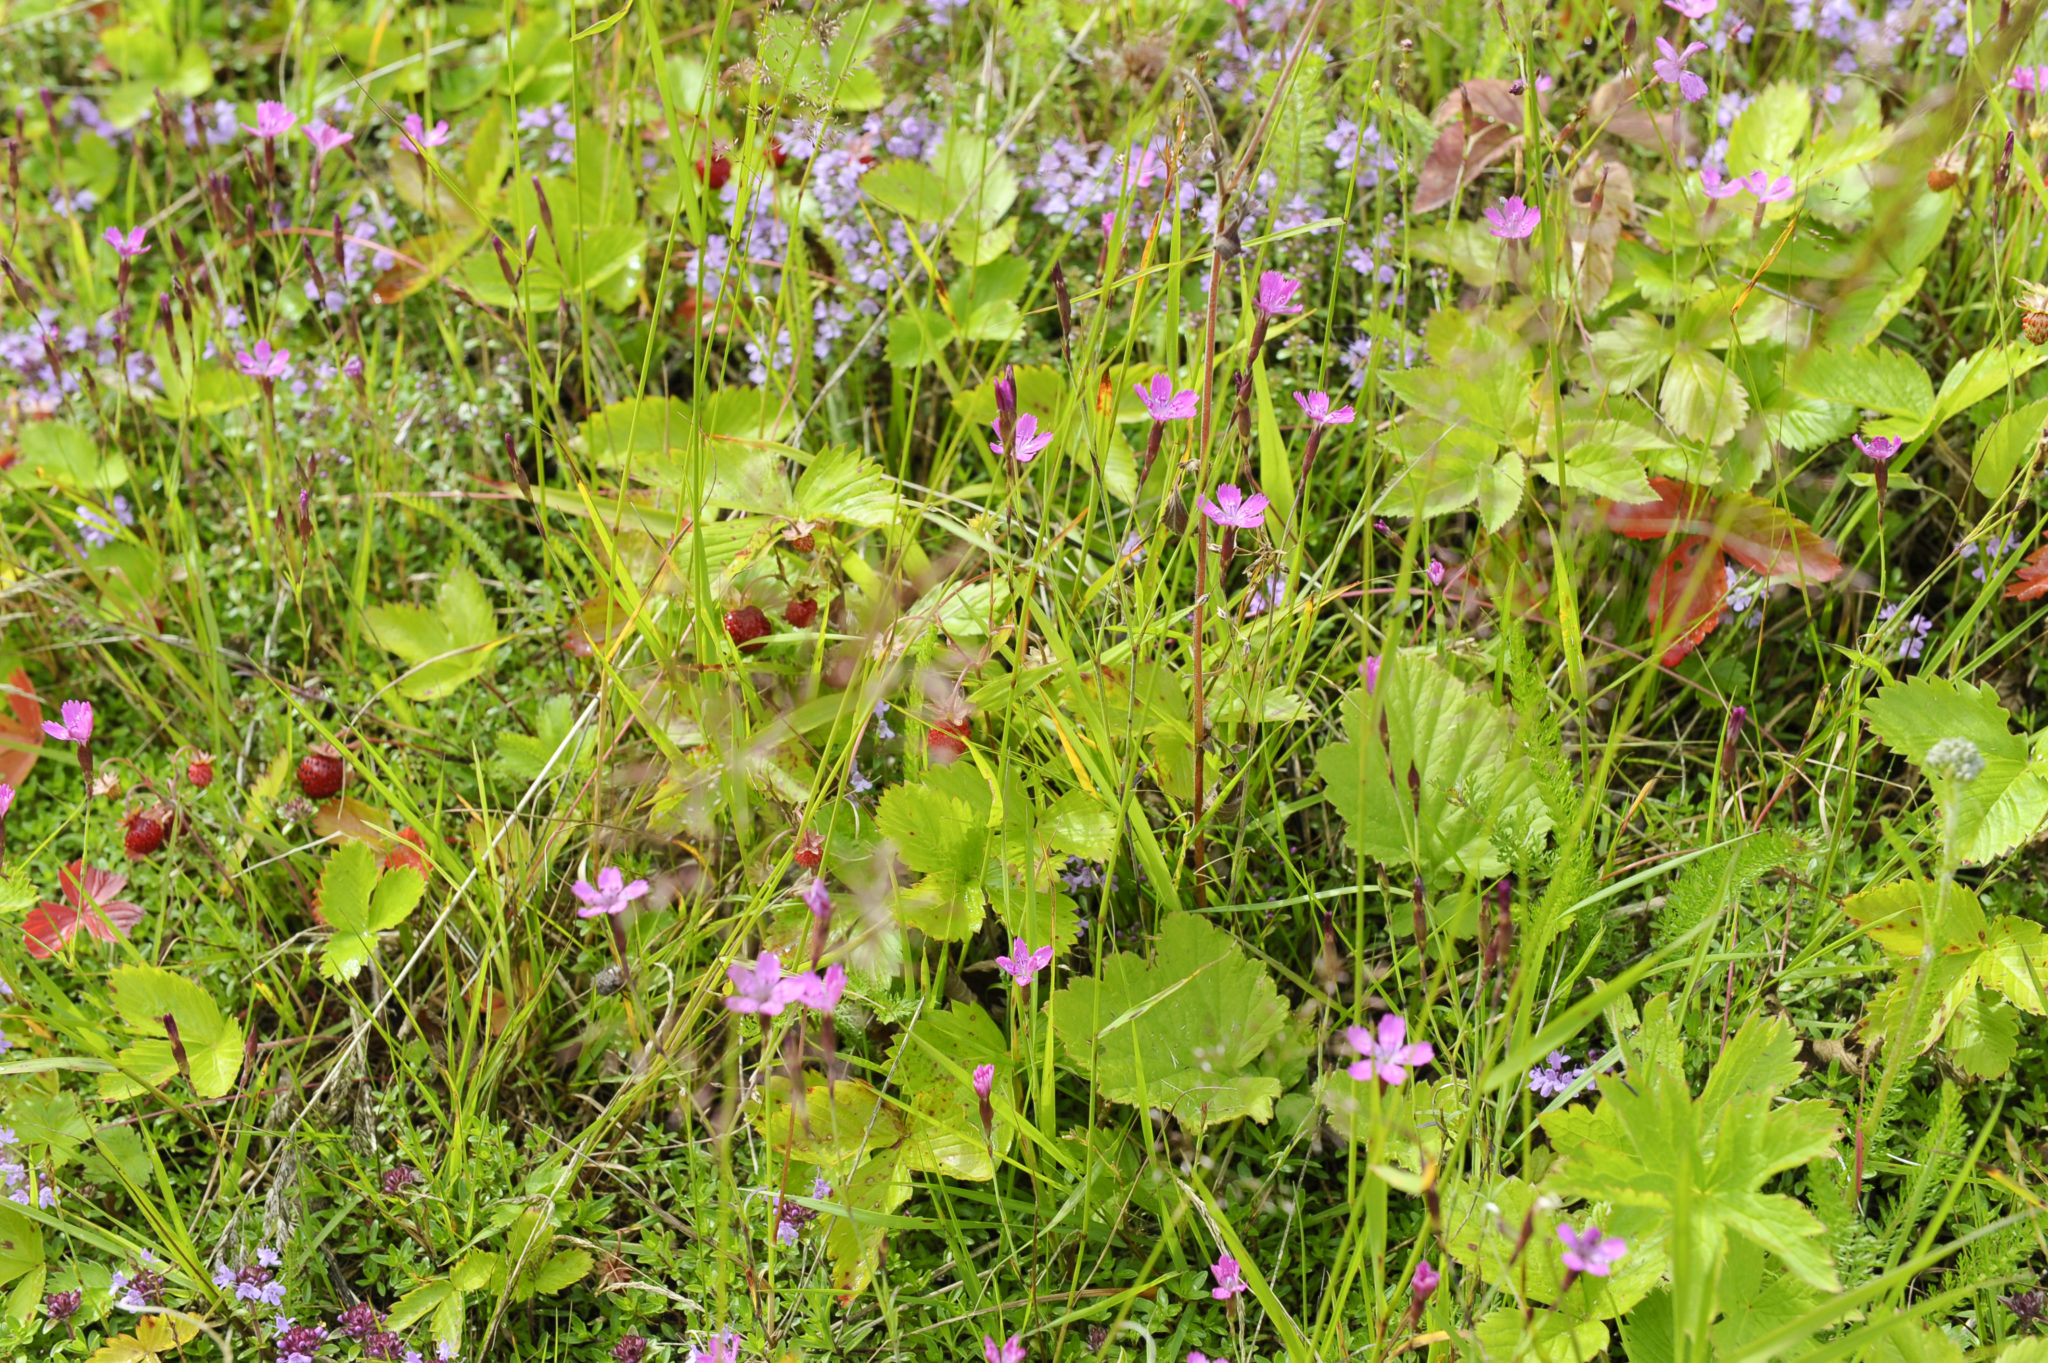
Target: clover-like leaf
(1182, 1031)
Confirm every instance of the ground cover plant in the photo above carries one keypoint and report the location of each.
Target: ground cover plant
(1023, 680)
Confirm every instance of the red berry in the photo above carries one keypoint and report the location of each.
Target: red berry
(810, 850)
(320, 772)
(199, 771)
(776, 155)
(747, 626)
(147, 829)
(801, 612)
(716, 173)
(947, 740)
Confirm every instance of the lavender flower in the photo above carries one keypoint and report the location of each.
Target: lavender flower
(1233, 509)
(95, 529)
(1023, 964)
(77, 723)
(1554, 1075)
(1512, 220)
(1913, 630)
(1590, 1251)
(882, 729)
(142, 1292)
(298, 1343)
(1030, 440)
(62, 1306)
(760, 990)
(1389, 1055)
(253, 1282)
(1163, 403)
(1316, 407)
(130, 244)
(1671, 69)
(610, 895)
(1229, 1276)
(1267, 596)
(273, 120)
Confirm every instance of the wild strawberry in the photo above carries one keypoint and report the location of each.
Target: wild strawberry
(747, 626)
(146, 831)
(801, 612)
(946, 741)
(776, 155)
(716, 173)
(320, 772)
(199, 770)
(810, 850)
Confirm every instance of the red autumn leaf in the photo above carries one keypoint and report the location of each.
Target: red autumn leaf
(2031, 581)
(90, 902)
(1686, 593)
(1756, 534)
(21, 730)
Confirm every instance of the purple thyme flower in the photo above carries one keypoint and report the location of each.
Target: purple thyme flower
(1590, 1251)
(326, 138)
(610, 895)
(1913, 633)
(398, 1178)
(298, 1343)
(1512, 220)
(1162, 402)
(1229, 1277)
(1553, 1076)
(1879, 447)
(77, 725)
(273, 120)
(360, 1321)
(759, 990)
(1030, 440)
(263, 363)
(631, 1348)
(1316, 407)
(1276, 293)
(1232, 508)
(418, 138)
(1009, 1351)
(1671, 69)
(1023, 964)
(255, 1282)
(130, 244)
(62, 1306)
(1389, 1055)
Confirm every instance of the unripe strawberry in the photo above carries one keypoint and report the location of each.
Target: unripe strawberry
(2035, 325)
(801, 612)
(747, 626)
(199, 770)
(320, 772)
(146, 831)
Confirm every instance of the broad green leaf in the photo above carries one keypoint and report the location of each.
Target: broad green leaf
(853, 1238)
(933, 1063)
(2008, 802)
(918, 336)
(980, 184)
(840, 1123)
(842, 484)
(445, 646)
(1473, 1217)
(1550, 1338)
(1475, 794)
(940, 827)
(356, 911)
(1982, 1036)
(1600, 468)
(596, 260)
(636, 430)
(21, 1243)
(64, 454)
(1701, 397)
(523, 757)
(143, 996)
(1182, 1031)
(1080, 825)
(1764, 135)
(1980, 375)
(1879, 379)
(417, 1303)
(909, 188)
(2005, 447)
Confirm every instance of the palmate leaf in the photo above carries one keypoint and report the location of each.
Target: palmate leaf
(1473, 1217)
(143, 996)
(359, 902)
(445, 646)
(840, 1124)
(1181, 1032)
(2008, 802)
(1458, 744)
(1648, 1133)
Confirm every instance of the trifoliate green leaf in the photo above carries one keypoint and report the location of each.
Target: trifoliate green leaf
(358, 903)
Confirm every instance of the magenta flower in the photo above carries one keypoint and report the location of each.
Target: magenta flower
(128, 245)
(1010, 1351)
(818, 992)
(1590, 1252)
(1693, 9)
(1023, 964)
(1163, 403)
(984, 1081)
(1512, 220)
(610, 895)
(6, 800)
(1109, 224)
(1316, 407)
(1276, 293)
(1232, 508)
(418, 138)
(264, 363)
(1671, 69)
(1710, 180)
(818, 899)
(760, 990)
(77, 725)
(1768, 190)
(326, 138)
(1030, 440)
(2030, 79)
(1370, 670)
(1229, 1278)
(1878, 447)
(1757, 182)
(1425, 1280)
(1389, 1055)
(273, 120)
(1436, 572)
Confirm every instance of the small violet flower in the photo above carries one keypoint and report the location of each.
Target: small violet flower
(610, 895)
(1389, 1055)
(1512, 220)
(1671, 69)
(1316, 407)
(1235, 510)
(1023, 964)
(1590, 1251)
(1163, 403)
(77, 723)
(1229, 1276)
(1031, 441)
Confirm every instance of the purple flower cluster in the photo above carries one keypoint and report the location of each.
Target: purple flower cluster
(298, 1343)
(142, 1290)
(1910, 634)
(792, 1217)
(554, 127)
(23, 1187)
(1986, 556)
(253, 1282)
(1554, 1075)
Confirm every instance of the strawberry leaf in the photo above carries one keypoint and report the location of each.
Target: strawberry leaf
(1686, 593)
(144, 995)
(358, 903)
(1755, 533)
